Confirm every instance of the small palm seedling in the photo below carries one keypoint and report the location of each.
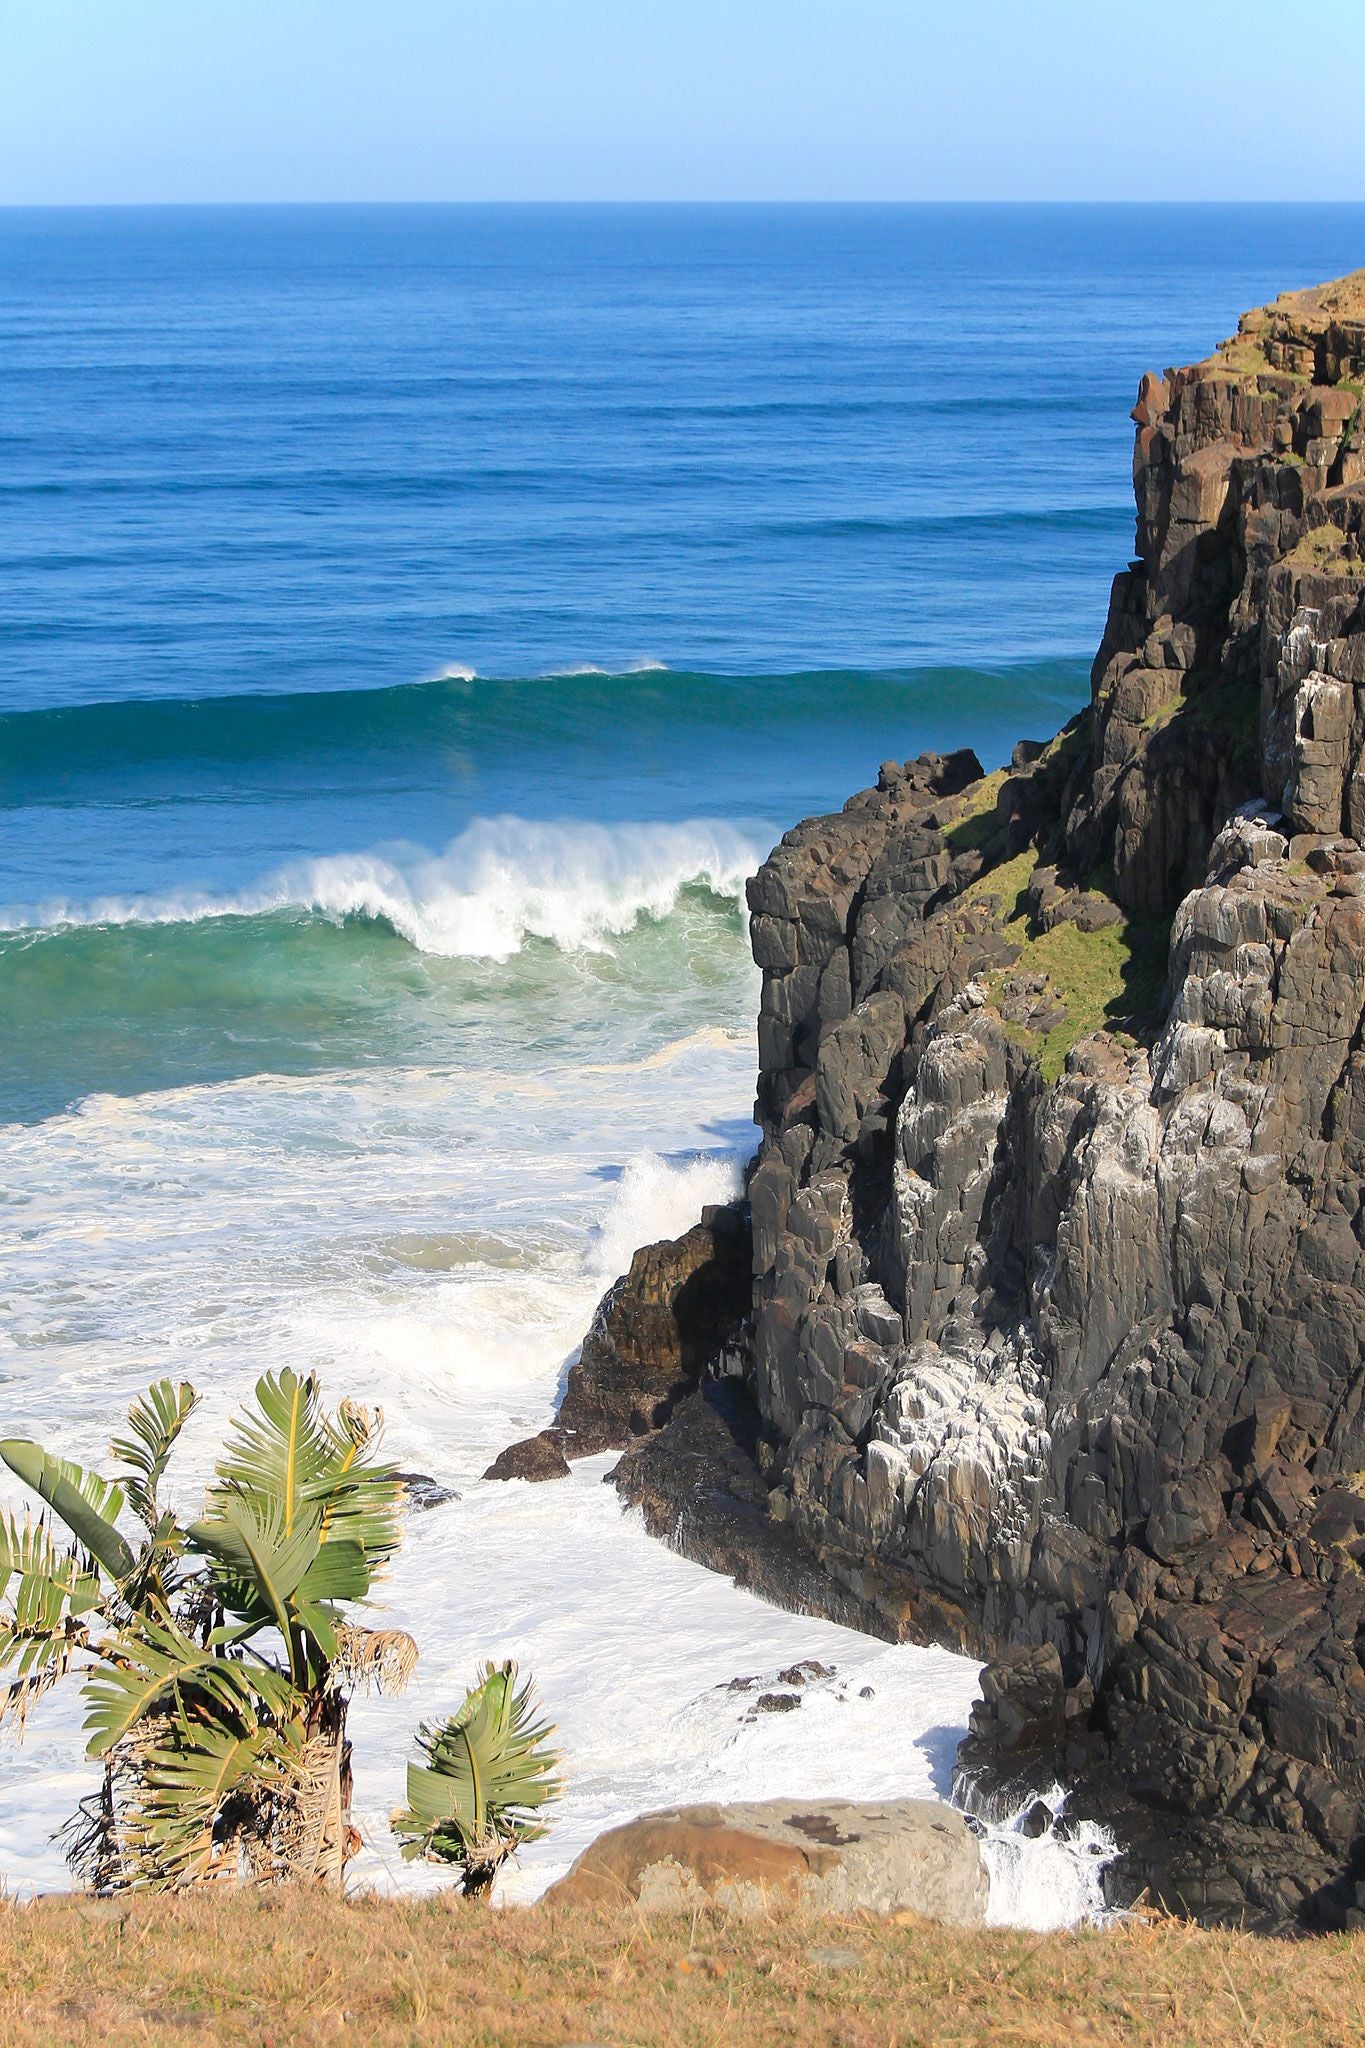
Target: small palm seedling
(217, 1661)
(488, 1772)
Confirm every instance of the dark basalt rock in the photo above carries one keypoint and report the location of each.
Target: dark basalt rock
(807, 1672)
(421, 1492)
(684, 1303)
(698, 1485)
(1058, 1341)
(656, 1331)
(534, 1457)
(1022, 1708)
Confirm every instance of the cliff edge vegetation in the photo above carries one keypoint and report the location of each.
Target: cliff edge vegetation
(254, 1970)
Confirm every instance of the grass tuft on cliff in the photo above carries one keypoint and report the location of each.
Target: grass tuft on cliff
(1324, 549)
(290, 1969)
(1110, 978)
(976, 824)
(1102, 979)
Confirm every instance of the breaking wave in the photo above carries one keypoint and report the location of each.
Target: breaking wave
(501, 882)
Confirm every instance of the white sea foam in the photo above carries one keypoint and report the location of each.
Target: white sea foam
(501, 882)
(653, 1195)
(1048, 1880)
(452, 672)
(435, 1241)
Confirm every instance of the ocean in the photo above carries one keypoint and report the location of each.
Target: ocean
(415, 624)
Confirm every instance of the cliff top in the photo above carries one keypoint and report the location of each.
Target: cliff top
(249, 1966)
(1316, 335)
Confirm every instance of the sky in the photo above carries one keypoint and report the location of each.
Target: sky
(235, 100)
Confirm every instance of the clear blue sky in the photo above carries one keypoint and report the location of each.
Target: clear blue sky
(128, 100)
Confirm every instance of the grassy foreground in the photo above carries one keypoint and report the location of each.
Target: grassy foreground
(272, 1970)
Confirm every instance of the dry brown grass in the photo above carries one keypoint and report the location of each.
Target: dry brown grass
(277, 1970)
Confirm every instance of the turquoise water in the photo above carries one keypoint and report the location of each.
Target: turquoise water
(305, 881)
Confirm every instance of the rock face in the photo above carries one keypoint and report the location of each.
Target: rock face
(1058, 1218)
(655, 1332)
(830, 1856)
(699, 1488)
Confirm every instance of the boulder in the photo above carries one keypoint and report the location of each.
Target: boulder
(1023, 1701)
(825, 1855)
(533, 1457)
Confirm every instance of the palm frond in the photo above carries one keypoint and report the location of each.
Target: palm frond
(286, 1456)
(362, 1501)
(156, 1578)
(46, 1591)
(488, 1771)
(90, 1506)
(182, 1799)
(156, 1670)
(257, 1563)
(278, 1447)
(155, 1420)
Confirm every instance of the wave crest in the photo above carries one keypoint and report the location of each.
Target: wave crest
(501, 882)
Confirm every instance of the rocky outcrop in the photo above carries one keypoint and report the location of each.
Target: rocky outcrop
(679, 1309)
(1059, 1213)
(656, 1331)
(826, 1856)
(698, 1487)
(535, 1458)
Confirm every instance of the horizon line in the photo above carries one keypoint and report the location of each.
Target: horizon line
(1003, 204)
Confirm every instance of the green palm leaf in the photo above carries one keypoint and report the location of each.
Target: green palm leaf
(488, 1771)
(297, 1466)
(88, 1505)
(158, 1669)
(277, 1448)
(30, 1554)
(258, 1565)
(46, 1591)
(155, 1420)
(361, 1501)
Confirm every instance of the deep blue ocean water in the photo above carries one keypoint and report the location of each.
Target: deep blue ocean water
(326, 533)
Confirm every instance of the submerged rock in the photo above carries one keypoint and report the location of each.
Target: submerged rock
(421, 1491)
(831, 1856)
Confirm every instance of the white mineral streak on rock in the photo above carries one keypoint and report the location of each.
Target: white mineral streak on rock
(960, 1445)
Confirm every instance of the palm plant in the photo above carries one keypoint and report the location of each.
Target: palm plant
(217, 1660)
(487, 1773)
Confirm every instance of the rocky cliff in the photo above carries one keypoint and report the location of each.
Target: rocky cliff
(1059, 1253)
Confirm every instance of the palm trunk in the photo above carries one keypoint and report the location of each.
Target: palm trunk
(324, 1840)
